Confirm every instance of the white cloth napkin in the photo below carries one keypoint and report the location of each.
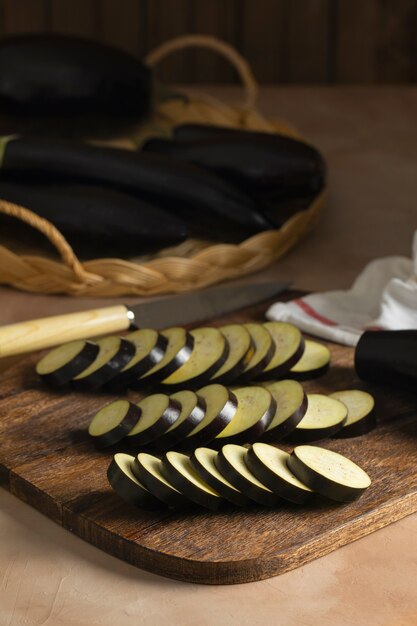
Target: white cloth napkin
(384, 296)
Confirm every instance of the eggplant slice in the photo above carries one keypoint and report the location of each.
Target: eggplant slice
(158, 413)
(178, 351)
(240, 353)
(324, 417)
(329, 473)
(177, 468)
(113, 355)
(221, 406)
(361, 416)
(147, 469)
(255, 409)
(113, 422)
(289, 348)
(314, 362)
(210, 352)
(269, 465)
(127, 486)
(193, 410)
(150, 347)
(231, 463)
(264, 350)
(291, 402)
(203, 462)
(62, 364)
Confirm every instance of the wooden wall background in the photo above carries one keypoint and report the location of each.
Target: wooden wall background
(291, 41)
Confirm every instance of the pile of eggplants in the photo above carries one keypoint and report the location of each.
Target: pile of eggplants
(205, 181)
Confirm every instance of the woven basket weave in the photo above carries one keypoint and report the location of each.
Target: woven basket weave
(191, 265)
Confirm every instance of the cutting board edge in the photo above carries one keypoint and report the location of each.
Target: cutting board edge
(236, 572)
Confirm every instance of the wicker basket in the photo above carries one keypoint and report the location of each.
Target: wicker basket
(191, 265)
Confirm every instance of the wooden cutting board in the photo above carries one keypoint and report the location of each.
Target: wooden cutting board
(47, 461)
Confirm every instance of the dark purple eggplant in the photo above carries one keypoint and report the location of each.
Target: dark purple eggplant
(388, 357)
(257, 162)
(96, 220)
(58, 77)
(181, 188)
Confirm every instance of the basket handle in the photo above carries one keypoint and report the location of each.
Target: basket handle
(207, 41)
(53, 235)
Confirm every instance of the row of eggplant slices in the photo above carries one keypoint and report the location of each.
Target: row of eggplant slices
(264, 474)
(218, 415)
(182, 359)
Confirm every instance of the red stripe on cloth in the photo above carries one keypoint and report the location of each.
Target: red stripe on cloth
(313, 313)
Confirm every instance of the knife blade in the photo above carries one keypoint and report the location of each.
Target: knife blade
(182, 309)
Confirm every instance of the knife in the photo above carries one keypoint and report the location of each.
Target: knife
(193, 307)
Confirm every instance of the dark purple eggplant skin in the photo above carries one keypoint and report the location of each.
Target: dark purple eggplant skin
(58, 75)
(262, 156)
(388, 358)
(98, 221)
(181, 188)
(256, 164)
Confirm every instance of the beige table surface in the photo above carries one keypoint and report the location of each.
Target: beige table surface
(49, 577)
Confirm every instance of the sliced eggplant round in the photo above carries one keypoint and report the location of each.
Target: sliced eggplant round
(314, 362)
(193, 410)
(269, 465)
(289, 347)
(324, 417)
(158, 413)
(114, 353)
(203, 463)
(255, 409)
(210, 352)
(62, 364)
(127, 486)
(177, 468)
(240, 353)
(361, 417)
(178, 351)
(221, 406)
(150, 348)
(264, 350)
(291, 404)
(147, 469)
(113, 422)
(329, 473)
(231, 463)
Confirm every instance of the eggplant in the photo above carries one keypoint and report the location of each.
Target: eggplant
(181, 188)
(178, 470)
(388, 358)
(98, 221)
(54, 81)
(330, 474)
(261, 163)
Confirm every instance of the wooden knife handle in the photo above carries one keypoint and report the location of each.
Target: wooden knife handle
(52, 331)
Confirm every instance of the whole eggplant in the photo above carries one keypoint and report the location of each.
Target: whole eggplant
(96, 220)
(181, 188)
(49, 81)
(258, 162)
